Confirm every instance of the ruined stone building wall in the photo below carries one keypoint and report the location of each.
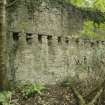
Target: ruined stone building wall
(45, 47)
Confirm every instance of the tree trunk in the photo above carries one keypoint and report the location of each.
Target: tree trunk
(3, 53)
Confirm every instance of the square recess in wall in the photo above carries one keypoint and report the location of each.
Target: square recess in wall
(59, 39)
(67, 40)
(15, 36)
(40, 38)
(29, 38)
(49, 37)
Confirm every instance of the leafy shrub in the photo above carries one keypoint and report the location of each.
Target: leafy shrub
(5, 98)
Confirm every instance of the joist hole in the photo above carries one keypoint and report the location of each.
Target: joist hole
(66, 40)
(29, 38)
(49, 40)
(15, 36)
(59, 39)
(40, 38)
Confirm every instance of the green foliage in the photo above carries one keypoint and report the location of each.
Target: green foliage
(79, 3)
(99, 5)
(88, 28)
(5, 98)
(93, 31)
(93, 4)
(93, 11)
(30, 89)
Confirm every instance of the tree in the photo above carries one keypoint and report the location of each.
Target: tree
(99, 5)
(93, 4)
(3, 42)
(3, 53)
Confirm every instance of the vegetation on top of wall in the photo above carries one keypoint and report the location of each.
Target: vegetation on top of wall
(93, 4)
(88, 13)
(93, 14)
(93, 32)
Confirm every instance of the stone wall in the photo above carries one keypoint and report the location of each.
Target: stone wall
(47, 17)
(45, 46)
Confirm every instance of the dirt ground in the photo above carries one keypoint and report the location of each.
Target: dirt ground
(52, 95)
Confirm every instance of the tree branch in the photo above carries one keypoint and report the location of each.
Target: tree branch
(11, 4)
(82, 100)
(79, 96)
(96, 97)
